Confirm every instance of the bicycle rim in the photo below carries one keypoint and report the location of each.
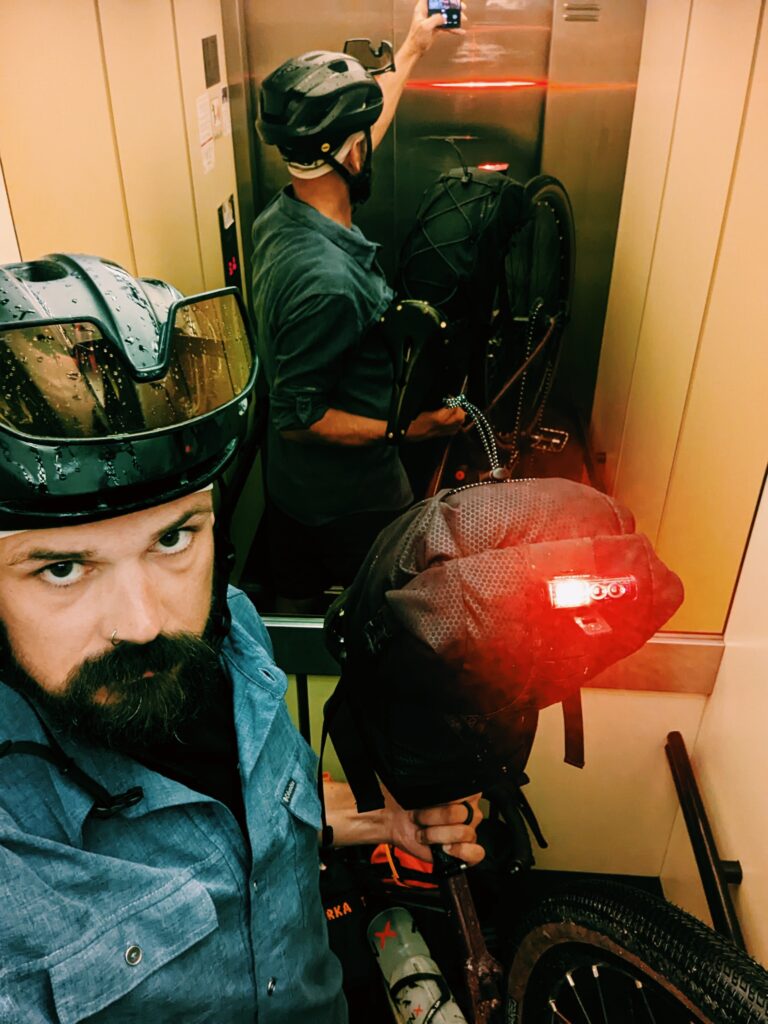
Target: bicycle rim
(537, 280)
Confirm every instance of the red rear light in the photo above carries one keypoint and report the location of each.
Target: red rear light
(569, 592)
(581, 591)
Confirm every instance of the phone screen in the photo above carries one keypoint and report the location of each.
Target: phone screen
(450, 10)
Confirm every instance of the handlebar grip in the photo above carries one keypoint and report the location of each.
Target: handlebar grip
(446, 865)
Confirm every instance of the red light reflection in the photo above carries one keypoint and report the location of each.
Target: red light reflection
(493, 167)
(483, 83)
(511, 84)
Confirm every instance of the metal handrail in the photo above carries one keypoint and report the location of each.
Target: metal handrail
(716, 874)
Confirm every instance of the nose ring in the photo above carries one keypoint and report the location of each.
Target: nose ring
(114, 639)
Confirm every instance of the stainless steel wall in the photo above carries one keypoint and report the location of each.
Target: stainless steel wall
(543, 85)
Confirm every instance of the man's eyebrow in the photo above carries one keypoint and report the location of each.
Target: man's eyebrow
(178, 523)
(43, 555)
(40, 555)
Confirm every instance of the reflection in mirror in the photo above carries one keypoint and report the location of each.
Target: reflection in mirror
(377, 59)
(496, 252)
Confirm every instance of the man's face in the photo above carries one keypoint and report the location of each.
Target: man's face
(101, 612)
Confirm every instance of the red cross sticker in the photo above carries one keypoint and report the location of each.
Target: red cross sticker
(417, 1011)
(387, 933)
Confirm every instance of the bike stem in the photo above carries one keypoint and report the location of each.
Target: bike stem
(482, 973)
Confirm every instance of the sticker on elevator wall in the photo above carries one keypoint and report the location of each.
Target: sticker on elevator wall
(204, 126)
(208, 153)
(205, 132)
(211, 61)
(217, 117)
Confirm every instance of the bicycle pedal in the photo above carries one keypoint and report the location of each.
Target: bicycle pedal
(549, 439)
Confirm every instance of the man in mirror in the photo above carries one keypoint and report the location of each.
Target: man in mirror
(332, 482)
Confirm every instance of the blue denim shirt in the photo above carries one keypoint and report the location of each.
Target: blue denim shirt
(317, 292)
(215, 934)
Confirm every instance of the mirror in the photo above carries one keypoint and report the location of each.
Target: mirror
(376, 59)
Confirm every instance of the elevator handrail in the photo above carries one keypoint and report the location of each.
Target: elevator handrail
(716, 873)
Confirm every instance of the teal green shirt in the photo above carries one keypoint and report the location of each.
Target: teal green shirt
(317, 291)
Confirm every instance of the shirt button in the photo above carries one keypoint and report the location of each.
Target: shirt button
(271, 986)
(255, 884)
(133, 955)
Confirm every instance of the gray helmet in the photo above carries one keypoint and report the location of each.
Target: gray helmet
(311, 104)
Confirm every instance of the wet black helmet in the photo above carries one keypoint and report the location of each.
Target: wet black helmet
(311, 104)
(116, 393)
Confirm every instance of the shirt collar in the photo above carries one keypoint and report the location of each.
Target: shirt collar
(351, 240)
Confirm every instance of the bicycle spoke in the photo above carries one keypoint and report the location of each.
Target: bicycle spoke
(577, 997)
(641, 989)
(556, 1015)
(596, 975)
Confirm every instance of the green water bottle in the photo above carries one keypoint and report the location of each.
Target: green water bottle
(418, 993)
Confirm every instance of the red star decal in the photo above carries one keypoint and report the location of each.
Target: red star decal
(417, 1012)
(384, 935)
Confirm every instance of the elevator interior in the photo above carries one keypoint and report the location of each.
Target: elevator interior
(532, 86)
(680, 404)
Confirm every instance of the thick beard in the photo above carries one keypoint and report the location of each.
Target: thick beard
(139, 711)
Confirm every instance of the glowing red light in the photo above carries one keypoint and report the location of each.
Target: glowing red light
(581, 591)
(187, 449)
(481, 83)
(493, 167)
(570, 592)
(521, 83)
(459, 474)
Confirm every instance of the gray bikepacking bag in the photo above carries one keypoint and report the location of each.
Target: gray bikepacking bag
(474, 610)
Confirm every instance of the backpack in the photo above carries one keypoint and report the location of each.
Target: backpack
(451, 256)
(474, 610)
(495, 258)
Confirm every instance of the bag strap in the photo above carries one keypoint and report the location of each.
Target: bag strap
(573, 727)
(106, 804)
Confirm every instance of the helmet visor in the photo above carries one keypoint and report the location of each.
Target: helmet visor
(68, 380)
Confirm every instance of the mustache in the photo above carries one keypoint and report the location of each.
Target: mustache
(126, 664)
(151, 689)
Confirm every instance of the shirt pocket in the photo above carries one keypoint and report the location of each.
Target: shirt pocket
(129, 953)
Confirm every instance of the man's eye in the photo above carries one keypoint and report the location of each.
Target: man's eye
(62, 574)
(174, 541)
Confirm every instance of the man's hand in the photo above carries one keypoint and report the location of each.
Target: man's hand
(435, 423)
(420, 37)
(416, 831)
(421, 34)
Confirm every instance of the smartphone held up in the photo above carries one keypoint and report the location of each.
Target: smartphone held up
(450, 10)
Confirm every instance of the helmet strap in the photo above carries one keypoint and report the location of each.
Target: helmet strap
(224, 560)
(359, 184)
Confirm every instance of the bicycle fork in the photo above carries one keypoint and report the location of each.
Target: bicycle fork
(482, 973)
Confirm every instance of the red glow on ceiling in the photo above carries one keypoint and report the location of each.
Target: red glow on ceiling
(493, 167)
(480, 83)
(513, 84)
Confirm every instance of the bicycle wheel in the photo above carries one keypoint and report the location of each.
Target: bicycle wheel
(614, 955)
(538, 280)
